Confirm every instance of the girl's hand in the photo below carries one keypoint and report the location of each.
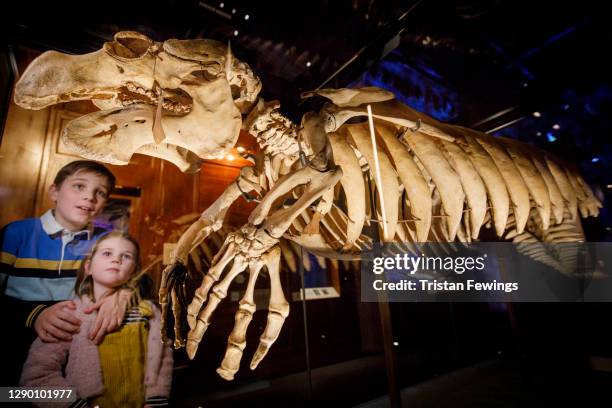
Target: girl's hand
(57, 323)
(111, 310)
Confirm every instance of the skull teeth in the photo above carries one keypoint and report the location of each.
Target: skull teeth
(151, 98)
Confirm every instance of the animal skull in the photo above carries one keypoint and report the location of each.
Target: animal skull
(161, 99)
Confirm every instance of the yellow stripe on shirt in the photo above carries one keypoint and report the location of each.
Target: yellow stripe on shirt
(33, 263)
(7, 258)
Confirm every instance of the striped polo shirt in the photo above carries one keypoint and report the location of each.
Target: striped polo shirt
(40, 259)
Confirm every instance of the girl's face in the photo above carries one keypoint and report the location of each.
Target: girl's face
(113, 263)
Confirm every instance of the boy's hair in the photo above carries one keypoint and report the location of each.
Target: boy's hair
(84, 282)
(86, 165)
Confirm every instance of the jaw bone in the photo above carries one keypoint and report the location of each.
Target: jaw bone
(209, 130)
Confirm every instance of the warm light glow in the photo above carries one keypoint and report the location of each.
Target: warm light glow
(556, 126)
(240, 149)
(609, 185)
(229, 157)
(308, 64)
(536, 114)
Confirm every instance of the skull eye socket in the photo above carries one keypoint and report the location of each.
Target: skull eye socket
(128, 46)
(205, 75)
(235, 91)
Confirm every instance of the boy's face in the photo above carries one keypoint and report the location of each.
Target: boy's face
(81, 197)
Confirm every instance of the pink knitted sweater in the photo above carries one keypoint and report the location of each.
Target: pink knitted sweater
(76, 364)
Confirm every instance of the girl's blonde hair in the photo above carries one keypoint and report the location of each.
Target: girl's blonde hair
(84, 282)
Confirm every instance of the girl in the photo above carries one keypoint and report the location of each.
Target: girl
(131, 367)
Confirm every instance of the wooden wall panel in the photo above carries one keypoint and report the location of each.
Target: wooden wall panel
(21, 155)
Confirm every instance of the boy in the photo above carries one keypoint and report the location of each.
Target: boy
(38, 264)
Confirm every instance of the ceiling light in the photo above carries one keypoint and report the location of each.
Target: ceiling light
(551, 138)
(538, 133)
(235, 33)
(308, 64)
(566, 106)
(246, 17)
(536, 114)
(609, 186)
(221, 5)
(525, 84)
(556, 126)
(395, 343)
(595, 159)
(233, 11)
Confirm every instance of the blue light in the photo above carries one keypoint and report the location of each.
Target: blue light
(419, 88)
(551, 137)
(595, 159)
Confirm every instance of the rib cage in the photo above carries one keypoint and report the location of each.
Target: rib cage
(558, 246)
(440, 191)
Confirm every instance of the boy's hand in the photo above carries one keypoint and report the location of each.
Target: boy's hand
(57, 323)
(111, 310)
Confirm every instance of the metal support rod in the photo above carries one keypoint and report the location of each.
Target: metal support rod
(379, 185)
(395, 400)
(305, 314)
(390, 358)
(394, 28)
